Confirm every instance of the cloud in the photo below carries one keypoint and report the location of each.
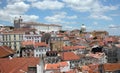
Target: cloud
(48, 4)
(117, 14)
(72, 17)
(1, 24)
(56, 18)
(95, 23)
(14, 1)
(60, 18)
(94, 7)
(79, 5)
(31, 0)
(88, 5)
(16, 9)
(103, 17)
(26, 17)
(113, 26)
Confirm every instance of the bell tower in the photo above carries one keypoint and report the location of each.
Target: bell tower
(17, 22)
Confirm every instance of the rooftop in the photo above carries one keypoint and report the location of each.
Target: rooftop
(111, 66)
(5, 51)
(69, 56)
(55, 66)
(17, 65)
(35, 44)
(42, 24)
(73, 47)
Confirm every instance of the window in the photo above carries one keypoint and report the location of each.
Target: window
(15, 43)
(3, 37)
(36, 55)
(6, 38)
(9, 37)
(6, 43)
(3, 43)
(15, 48)
(19, 37)
(14, 37)
(36, 50)
(39, 55)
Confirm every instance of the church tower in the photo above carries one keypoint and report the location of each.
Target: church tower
(17, 22)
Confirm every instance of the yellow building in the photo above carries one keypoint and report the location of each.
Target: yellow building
(13, 38)
(100, 34)
(56, 43)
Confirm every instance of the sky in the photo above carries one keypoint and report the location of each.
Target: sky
(101, 15)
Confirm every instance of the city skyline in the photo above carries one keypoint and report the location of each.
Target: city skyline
(71, 14)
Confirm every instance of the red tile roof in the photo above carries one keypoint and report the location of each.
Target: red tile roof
(69, 56)
(40, 44)
(26, 43)
(73, 47)
(19, 31)
(92, 68)
(5, 51)
(111, 66)
(17, 65)
(109, 39)
(35, 44)
(55, 66)
(71, 71)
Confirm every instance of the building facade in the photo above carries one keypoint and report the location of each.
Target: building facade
(42, 27)
(12, 40)
(40, 51)
(32, 37)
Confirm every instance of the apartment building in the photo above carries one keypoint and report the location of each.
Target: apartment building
(13, 38)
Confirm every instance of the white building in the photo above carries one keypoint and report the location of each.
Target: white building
(41, 49)
(41, 27)
(32, 37)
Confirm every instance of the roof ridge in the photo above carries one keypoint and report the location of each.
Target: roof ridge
(7, 49)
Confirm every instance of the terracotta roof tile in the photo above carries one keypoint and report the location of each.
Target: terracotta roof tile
(15, 65)
(73, 47)
(35, 44)
(71, 71)
(92, 68)
(40, 44)
(111, 66)
(5, 51)
(19, 31)
(25, 43)
(55, 65)
(69, 56)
